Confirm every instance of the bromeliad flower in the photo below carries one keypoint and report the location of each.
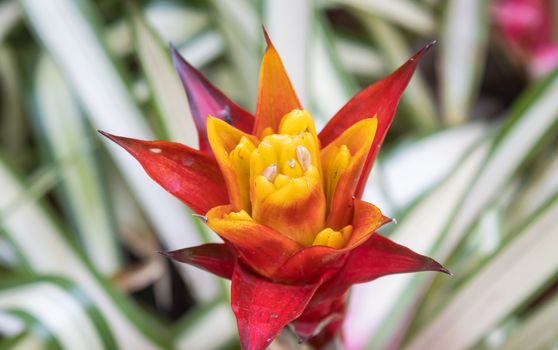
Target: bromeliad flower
(285, 200)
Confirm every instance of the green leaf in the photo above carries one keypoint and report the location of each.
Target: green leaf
(24, 341)
(536, 191)
(12, 127)
(10, 15)
(463, 50)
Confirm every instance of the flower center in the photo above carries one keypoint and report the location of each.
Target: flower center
(285, 186)
(280, 182)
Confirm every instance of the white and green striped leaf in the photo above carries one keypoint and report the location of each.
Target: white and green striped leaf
(463, 50)
(329, 87)
(62, 309)
(535, 331)
(165, 85)
(64, 24)
(408, 14)
(194, 331)
(44, 249)
(71, 152)
(419, 228)
(523, 266)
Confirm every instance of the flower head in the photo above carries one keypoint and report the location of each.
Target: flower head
(285, 199)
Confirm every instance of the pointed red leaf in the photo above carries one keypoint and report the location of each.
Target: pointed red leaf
(276, 96)
(205, 99)
(377, 257)
(262, 307)
(381, 99)
(219, 259)
(190, 175)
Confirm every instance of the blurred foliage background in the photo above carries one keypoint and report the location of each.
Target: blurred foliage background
(470, 168)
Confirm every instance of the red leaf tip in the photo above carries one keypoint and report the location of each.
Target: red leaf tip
(420, 53)
(164, 253)
(386, 220)
(180, 255)
(119, 140)
(433, 265)
(445, 270)
(113, 138)
(430, 44)
(175, 54)
(266, 35)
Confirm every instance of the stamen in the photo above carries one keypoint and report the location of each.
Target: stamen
(303, 156)
(270, 172)
(291, 163)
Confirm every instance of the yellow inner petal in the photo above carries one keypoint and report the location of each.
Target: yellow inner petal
(342, 161)
(240, 160)
(232, 149)
(334, 168)
(334, 239)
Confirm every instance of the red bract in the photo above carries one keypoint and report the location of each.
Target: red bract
(285, 200)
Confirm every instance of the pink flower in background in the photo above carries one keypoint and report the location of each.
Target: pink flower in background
(526, 26)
